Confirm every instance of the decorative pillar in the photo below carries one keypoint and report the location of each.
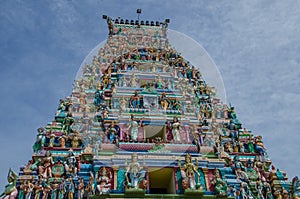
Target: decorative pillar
(115, 180)
(205, 172)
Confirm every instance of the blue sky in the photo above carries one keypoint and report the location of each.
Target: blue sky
(255, 44)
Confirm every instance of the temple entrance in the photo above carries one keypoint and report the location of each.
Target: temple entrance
(161, 181)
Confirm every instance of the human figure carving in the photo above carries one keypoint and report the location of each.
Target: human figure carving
(189, 172)
(104, 181)
(134, 174)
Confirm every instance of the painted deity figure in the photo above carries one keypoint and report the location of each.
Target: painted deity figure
(113, 132)
(164, 101)
(169, 134)
(80, 188)
(98, 98)
(135, 101)
(10, 191)
(54, 189)
(135, 174)
(45, 167)
(176, 130)
(188, 172)
(159, 82)
(75, 140)
(40, 140)
(296, 187)
(71, 164)
(70, 188)
(67, 122)
(104, 181)
(134, 125)
(220, 185)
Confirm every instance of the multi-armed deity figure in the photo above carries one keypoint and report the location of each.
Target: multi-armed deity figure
(104, 181)
(189, 172)
(135, 174)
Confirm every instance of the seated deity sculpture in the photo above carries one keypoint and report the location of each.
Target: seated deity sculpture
(189, 172)
(135, 175)
(45, 165)
(135, 101)
(104, 181)
(220, 185)
(164, 101)
(113, 132)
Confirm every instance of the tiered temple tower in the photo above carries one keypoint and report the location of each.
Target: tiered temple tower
(141, 121)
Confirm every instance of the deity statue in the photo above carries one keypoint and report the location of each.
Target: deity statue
(176, 130)
(10, 191)
(51, 140)
(46, 191)
(188, 173)
(296, 188)
(38, 190)
(112, 132)
(70, 188)
(104, 181)
(135, 101)
(134, 125)
(67, 122)
(80, 188)
(40, 140)
(75, 140)
(98, 98)
(259, 189)
(123, 104)
(62, 141)
(164, 101)
(71, 164)
(159, 82)
(220, 185)
(133, 81)
(54, 189)
(169, 134)
(135, 174)
(45, 167)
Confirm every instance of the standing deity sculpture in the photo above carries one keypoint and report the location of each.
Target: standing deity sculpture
(134, 126)
(71, 164)
(135, 175)
(40, 140)
(296, 188)
(189, 172)
(176, 130)
(80, 188)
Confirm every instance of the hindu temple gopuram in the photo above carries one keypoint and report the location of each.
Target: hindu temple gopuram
(142, 122)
